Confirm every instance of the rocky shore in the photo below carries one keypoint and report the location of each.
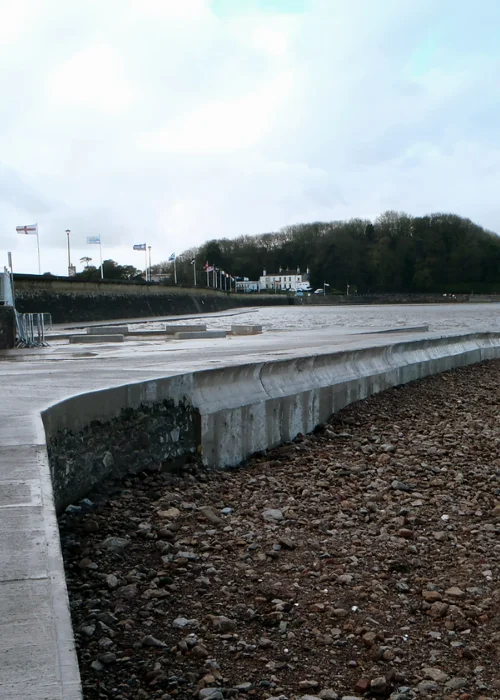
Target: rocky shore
(361, 561)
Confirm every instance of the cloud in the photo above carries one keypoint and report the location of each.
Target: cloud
(181, 121)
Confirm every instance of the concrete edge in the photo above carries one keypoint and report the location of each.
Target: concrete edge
(70, 687)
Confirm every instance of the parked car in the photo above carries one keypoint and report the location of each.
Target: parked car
(319, 291)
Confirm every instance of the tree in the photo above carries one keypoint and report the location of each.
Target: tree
(396, 252)
(111, 271)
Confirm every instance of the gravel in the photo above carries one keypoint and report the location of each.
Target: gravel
(332, 567)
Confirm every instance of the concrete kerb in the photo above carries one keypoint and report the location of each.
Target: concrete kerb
(199, 335)
(172, 330)
(82, 338)
(107, 330)
(245, 329)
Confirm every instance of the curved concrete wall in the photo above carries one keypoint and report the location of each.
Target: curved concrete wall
(246, 408)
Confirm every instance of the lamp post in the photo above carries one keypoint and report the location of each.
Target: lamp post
(69, 253)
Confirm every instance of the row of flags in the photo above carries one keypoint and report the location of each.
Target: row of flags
(142, 246)
(32, 230)
(211, 268)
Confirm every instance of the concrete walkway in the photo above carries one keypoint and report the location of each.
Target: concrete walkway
(37, 657)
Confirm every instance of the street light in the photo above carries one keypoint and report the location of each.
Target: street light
(69, 253)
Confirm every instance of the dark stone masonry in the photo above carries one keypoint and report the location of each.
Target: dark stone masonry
(7, 327)
(156, 437)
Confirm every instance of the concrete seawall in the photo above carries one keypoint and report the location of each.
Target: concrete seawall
(238, 410)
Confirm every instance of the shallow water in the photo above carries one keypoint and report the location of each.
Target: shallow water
(442, 317)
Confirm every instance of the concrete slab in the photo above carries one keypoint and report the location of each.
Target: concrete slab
(172, 330)
(246, 329)
(199, 335)
(107, 330)
(110, 338)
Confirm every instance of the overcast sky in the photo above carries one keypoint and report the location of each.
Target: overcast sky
(174, 121)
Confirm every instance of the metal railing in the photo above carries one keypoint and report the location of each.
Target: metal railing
(30, 330)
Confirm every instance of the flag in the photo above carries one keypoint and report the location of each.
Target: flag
(193, 261)
(171, 258)
(139, 246)
(209, 268)
(94, 239)
(31, 229)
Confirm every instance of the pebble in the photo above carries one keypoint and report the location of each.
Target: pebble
(454, 592)
(272, 514)
(435, 674)
(111, 581)
(115, 544)
(150, 641)
(210, 694)
(378, 686)
(456, 683)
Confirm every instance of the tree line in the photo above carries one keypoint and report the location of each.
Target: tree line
(396, 252)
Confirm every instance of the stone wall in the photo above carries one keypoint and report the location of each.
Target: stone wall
(69, 301)
(7, 327)
(367, 299)
(152, 437)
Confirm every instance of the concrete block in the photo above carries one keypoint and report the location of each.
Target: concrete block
(188, 335)
(172, 330)
(110, 338)
(246, 329)
(107, 330)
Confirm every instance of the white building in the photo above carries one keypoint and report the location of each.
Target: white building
(284, 280)
(247, 285)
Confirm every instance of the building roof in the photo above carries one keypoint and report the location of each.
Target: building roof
(282, 273)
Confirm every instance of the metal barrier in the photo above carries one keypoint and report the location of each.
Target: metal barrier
(6, 288)
(30, 330)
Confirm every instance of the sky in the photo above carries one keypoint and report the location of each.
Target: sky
(172, 122)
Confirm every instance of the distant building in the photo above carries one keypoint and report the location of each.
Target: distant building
(247, 285)
(160, 277)
(284, 280)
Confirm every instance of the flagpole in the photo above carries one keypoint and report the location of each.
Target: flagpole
(146, 257)
(175, 270)
(100, 252)
(194, 271)
(208, 274)
(149, 249)
(38, 247)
